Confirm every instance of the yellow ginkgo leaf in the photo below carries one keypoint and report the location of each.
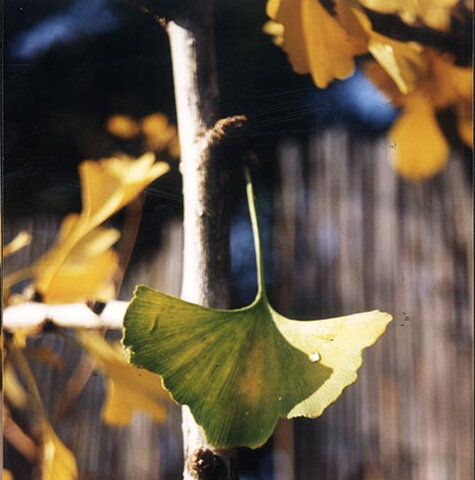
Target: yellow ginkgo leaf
(419, 146)
(21, 335)
(402, 61)
(84, 271)
(289, 14)
(20, 241)
(315, 41)
(465, 123)
(110, 184)
(123, 126)
(446, 83)
(330, 49)
(7, 475)
(58, 462)
(128, 389)
(159, 133)
(432, 13)
(276, 31)
(14, 391)
(80, 266)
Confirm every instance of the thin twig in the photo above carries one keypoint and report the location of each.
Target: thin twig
(19, 439)
(72, 315)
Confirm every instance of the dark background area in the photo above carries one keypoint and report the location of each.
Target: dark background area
(70, 65)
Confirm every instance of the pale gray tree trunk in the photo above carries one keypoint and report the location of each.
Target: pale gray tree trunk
(206, 217)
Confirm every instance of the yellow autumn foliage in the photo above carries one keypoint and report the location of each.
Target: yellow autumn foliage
(20, 241)
(433, 13)
(13, 389)
(159, 134)
(122, 126)
(417, 79)
(81, 264)
(7, 475)
(325, 52)
(128, 388)
(58, 462)
(420, 148)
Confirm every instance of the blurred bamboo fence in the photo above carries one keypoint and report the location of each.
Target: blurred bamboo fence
(349, 235)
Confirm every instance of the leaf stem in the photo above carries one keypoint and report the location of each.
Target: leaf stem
(23, 366)
(251, 202)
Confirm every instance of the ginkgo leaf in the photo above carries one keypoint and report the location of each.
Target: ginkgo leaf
(240, 370)
(20, 241)
(465, 123)
(84, 271)
(432, 13)
(128, 389)
(315, 41)
(80, 265)
(276, 31)
(123, 126)
(14, 391)
(160, 134)
(58, 462)
(402, 61)
(419, 146)
(7, 475)
(108, 185)
(446, 83)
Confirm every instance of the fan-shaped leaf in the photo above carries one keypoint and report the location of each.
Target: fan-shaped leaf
(240, 370)
(315, 41)
(82, 269)
(128, 389)
(419, 146)
(433, 13)
(80, 265)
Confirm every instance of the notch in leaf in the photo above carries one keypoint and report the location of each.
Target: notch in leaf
(240, 370)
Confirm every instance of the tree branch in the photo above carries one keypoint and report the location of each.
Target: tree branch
(72, 315)
(205, 193)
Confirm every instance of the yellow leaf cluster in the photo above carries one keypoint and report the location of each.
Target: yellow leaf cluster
(432, 13)
(81, 264)
(157, 131)
(325, 45)
(415, 78)
(128, 389)
(315, 41)
(420, 147)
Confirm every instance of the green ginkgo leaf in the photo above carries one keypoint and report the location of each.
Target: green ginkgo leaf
(240, 370)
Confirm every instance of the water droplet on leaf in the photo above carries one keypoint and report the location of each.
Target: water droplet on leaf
(314, 357)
